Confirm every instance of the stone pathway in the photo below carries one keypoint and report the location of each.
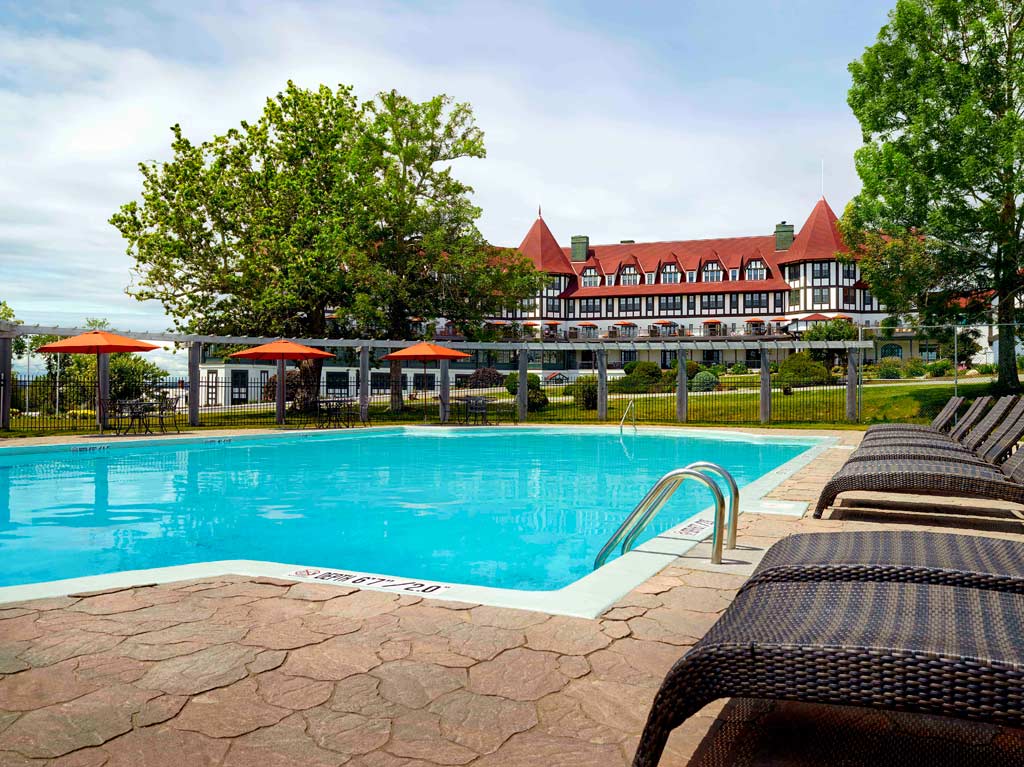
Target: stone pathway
(237, 671)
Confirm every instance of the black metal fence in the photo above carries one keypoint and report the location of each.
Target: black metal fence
(45, 405)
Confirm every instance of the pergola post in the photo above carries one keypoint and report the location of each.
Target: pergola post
(682, 398)
(522, 392)
(364, 383)
(602, 385)
(103, 390)
(195, 355)
(280, 391)
(766, 386)
(444, 391)
(851, 384)
(6, 381)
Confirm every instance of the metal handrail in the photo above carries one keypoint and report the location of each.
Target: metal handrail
(652, 503)
(734, 497)
(625, 412)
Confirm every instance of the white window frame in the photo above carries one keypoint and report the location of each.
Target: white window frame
(713, 268)
(670, 275)
(691, 276)
(629, 276)
(734, 275)
(590, 278)
(757, 266)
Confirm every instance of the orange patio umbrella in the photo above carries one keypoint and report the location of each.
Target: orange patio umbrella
(281, 350)
(425, 352)
(97, 342)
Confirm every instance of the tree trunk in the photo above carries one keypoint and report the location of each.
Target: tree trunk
(309, 384)
(396, 386)
(1005, 315)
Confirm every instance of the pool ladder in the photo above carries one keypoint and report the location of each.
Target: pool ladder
(630, 408)
(658, 496)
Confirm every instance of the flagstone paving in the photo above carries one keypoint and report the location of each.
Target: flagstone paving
(253, 671)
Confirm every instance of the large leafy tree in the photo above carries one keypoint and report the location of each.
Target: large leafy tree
(940, 102)
(323, 207)
(7, 315)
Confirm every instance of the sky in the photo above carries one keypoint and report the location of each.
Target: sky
(645, 121)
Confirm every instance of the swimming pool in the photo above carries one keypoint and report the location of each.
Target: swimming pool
(513, 508)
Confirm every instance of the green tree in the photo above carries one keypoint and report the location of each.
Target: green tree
(7, 315)
(940, 100)
(834, 330)
(323, 217)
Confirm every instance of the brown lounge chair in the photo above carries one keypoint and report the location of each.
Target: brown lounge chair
(912, 647)
(976, 421)
(941, 424)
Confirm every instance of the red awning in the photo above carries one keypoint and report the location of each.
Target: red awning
(842, 317)
(529, 324)
(712, 322)
(815, 318)
(588, 325)
(552, 322)
(754, 321)
(665, 322)
(497, 322)
(779, 319)
(626, 324)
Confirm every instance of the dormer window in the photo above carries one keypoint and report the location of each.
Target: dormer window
(713, 272)
(734, 274)
(609, 280)
(756, 270)
(670, 274)
(629, 276)
(648, 278)
(691, 276)
(591, 279)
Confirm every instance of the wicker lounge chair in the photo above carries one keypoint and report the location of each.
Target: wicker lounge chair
(1004, 437)
(942, 423)
(973, 428)
(897, 646)
(903, 556)
(954, 479)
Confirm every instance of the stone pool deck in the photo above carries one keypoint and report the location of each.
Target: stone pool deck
(237, 671)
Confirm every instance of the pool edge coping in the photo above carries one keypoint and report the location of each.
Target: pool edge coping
(587, 597)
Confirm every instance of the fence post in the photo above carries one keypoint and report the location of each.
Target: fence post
(682, 400)
(766, 386)
(602, 385)
(6, 382)
(195, 355)
(444, 391)
(522, 392)
(103, 389)
(851, 384)
(282, 374)
(364, 383)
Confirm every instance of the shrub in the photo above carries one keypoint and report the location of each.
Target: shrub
(584, 393)
(692, 368)
(82, 415)
(890, 368)
(939, 368)
(535, 400)
(292, 381)
(800, 370)
(717, 370)
(629, 367)
(773, 367)
(569, 390)
(512, 382)
(704, 381)
(739, 369)
(986, 368)
(628, 385)
(838, 371)
(484, 378)
(914, 367)
(646, 371)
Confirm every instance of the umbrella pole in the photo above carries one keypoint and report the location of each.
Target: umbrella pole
(424, 391)
(280, 391)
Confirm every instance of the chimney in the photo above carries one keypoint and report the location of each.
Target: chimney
(783, 236)
(626, 242)
(580, 245)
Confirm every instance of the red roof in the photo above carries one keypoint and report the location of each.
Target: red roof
(588, 324)
(818, 239)
(541, 247)
(755, 320)
(683, 288)
(712, 322)
(815, 318)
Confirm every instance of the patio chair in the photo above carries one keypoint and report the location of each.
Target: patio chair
(167, 412)
(910, 647)
(1004, 437)
(904, 556)
(953, 479)
(976, 425)
(939, 425)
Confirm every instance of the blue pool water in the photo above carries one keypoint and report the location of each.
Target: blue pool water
(517, 508)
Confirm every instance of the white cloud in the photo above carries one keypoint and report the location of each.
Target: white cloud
(577, 120)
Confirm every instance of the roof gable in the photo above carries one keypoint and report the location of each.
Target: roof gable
(819, 237)
(540, 246)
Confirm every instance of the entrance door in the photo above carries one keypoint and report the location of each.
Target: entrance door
(239, 387)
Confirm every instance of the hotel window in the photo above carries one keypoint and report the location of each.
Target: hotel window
(756, 300)
(555, 286)
(590, 305)
(849, 271)
(712, 357)
(793, 272)
(670, 303)
(554, 306)
(591, 279)
(869, 301)
(631, 304)
(691, 304)
(628, 355)
(820, 271)
(713, 272)
(849, 297)
(734, 274)
(712, 301)
(756, 271)
(609, 305)
(609, 280)
(670, 274)
(691, 276)
(819, 296)
(794, 297)
(528, 305)
(734, 303)
(629, 276)
(649, 278)
(929, 352)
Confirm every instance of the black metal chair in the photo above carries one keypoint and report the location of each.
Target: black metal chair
(167, 412)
